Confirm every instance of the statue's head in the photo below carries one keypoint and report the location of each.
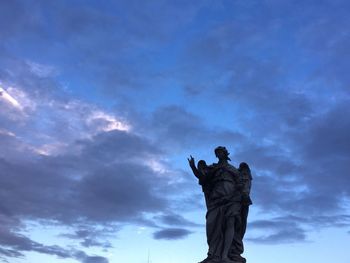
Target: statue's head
(221, 153)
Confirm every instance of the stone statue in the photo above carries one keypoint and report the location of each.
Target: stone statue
(226, 191)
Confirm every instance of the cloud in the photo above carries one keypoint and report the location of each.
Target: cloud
(95, 259)
(171, 233)
(103, 178)
(283, 236)
(108, 182)
(178, 128)
(95, 181)
(298, 169)
(14, 244)
(329, 43)
(174, 220)
(277, 231)
(109, 49)
(291, 228)
(75, 164)
(92, 236)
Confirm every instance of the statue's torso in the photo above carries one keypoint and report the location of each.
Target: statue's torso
(224, 185)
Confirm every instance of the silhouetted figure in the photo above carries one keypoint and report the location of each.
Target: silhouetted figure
(226, 191)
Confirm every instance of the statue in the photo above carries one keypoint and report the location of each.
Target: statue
(226, 191)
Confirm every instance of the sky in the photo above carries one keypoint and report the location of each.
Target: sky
(102, 102)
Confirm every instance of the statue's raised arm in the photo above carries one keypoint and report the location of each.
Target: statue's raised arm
(193, 166)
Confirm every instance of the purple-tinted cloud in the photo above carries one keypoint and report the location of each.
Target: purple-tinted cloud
(171, 233)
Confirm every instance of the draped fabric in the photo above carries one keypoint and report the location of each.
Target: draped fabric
(223, 198)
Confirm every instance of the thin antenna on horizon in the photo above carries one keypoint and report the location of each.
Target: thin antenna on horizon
(148, 260)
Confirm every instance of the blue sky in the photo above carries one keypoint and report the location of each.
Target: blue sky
(101, 102)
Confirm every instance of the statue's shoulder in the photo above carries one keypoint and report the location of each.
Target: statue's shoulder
(213, 166)
(224, 167)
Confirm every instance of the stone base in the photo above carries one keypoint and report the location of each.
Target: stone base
(210, 260)
(232, 261)
(236, 259)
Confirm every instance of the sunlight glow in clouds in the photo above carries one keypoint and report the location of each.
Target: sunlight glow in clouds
(51, 149)
(157, 166)
(9, 99)
(17, 101)
(109, 122)
(83, 119)
(8, 133)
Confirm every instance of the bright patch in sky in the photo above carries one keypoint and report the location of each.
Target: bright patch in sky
(108, 122)
(4, 95)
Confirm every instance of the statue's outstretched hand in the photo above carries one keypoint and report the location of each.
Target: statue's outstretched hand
(191, 161)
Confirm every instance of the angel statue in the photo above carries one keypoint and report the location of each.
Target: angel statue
(227, 197)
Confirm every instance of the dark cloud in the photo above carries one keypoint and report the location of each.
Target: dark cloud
(291, 228)
(9, 253)
(92, 237)
(330, 134)
(95, 259)
(14, 244)
(178, 128)
(174, 220)
(113, 50)
(105, 196)
(171, 233)
(329, 43)
(95, 192)
(278, 231)
(314, 165)
(283, 236)
(109, 181)
(338, 220)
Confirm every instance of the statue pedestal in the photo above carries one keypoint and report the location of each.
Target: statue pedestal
(238, 259)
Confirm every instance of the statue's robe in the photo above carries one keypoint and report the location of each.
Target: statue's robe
(223, 189)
